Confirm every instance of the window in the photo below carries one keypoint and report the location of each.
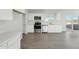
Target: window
(50, 17)
(71, 17)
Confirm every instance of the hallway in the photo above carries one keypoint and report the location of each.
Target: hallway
(65, 40)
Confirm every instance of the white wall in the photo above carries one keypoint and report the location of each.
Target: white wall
(26, 22)
(6, 14)
(14, 25)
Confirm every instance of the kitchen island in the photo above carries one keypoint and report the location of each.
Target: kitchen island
(10, 40)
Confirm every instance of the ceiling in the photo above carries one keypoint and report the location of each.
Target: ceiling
(43, 10)
(49, 10)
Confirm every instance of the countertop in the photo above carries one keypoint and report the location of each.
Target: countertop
(6, 36)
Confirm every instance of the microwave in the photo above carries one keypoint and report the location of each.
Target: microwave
(37, 17)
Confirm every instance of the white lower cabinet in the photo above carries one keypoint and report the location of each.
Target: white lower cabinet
(3, 45)
(14, 44)
(11, 44)
(31, 29)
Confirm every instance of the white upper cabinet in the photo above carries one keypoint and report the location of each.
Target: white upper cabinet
(31, 17)
(6, 14)
(20, 10)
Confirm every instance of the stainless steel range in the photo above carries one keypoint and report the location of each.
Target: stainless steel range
(37, 27)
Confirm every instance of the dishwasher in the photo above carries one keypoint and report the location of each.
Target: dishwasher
(44, 28)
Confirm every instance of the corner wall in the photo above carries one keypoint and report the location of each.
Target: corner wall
(26, 23)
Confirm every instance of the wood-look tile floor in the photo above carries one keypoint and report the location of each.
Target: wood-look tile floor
(65, 40)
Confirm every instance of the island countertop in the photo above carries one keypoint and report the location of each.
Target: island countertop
(6, 36)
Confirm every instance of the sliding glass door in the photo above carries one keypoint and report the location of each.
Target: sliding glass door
(72, 22)
(75, 24)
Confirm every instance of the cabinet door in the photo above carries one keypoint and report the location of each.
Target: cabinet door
(31, 17)
(15, 44)
(31, 28)
(6, 14)
(3, 46)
